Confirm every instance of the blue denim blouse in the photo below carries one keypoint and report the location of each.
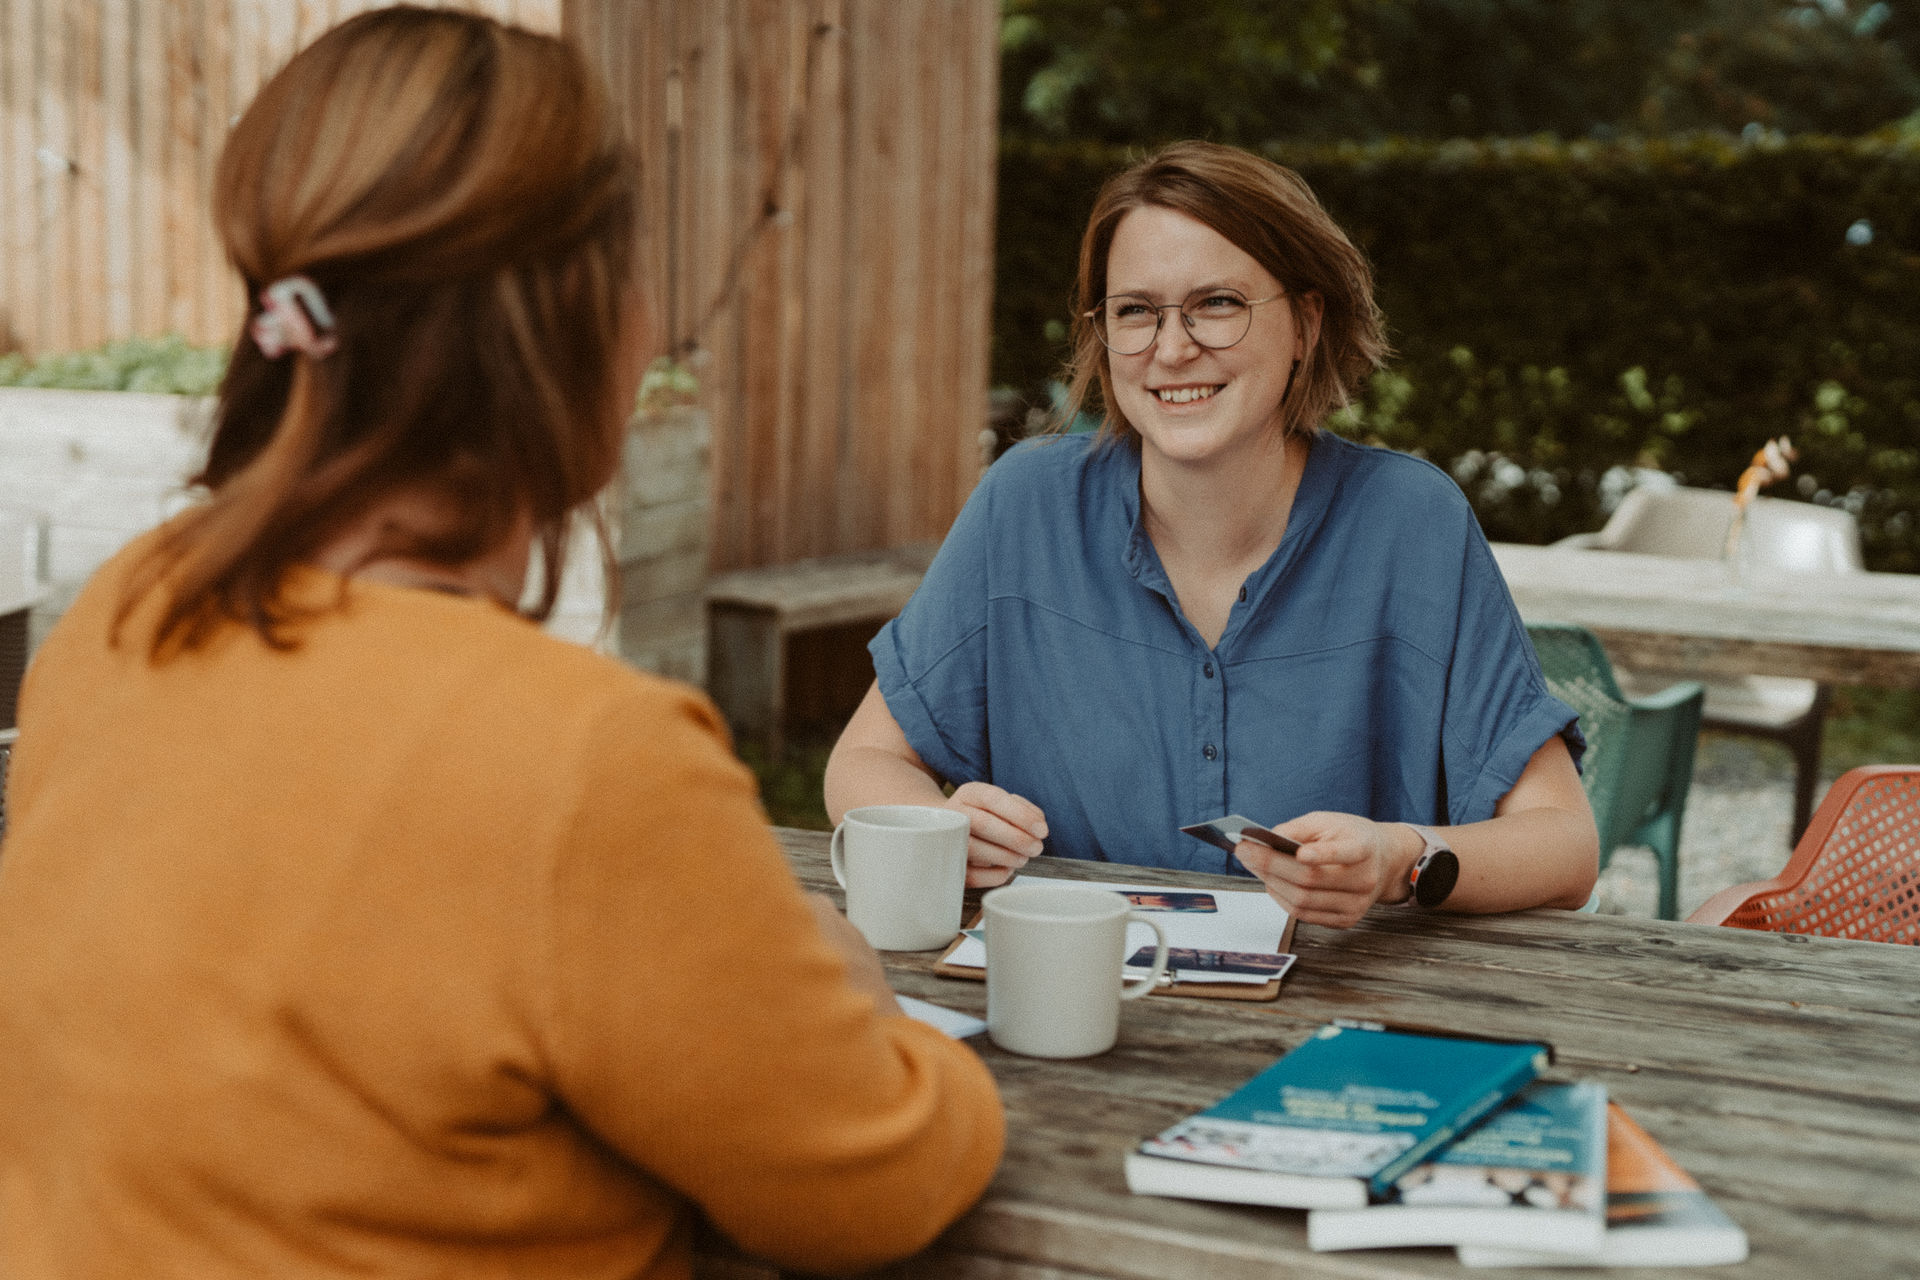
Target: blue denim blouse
(1374, 665)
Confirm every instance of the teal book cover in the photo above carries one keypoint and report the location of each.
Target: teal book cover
(1338, 1120)
(1534, 1174)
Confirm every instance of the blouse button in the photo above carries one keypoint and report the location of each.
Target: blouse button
(1208, 670)
(1243, 595)
(1208, 751)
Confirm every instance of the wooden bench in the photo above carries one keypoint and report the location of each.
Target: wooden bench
(753, 613)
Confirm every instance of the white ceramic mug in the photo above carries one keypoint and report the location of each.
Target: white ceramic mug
(904, 867)
(1054, 954)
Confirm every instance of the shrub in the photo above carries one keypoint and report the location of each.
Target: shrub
(166, 364)
(1567, 309)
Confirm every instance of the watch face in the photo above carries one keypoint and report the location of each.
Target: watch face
(1434, 876)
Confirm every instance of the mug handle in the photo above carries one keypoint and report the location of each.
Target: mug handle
(1134, 990)
(837, 854)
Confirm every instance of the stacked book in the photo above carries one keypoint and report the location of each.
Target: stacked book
(1394, 1137)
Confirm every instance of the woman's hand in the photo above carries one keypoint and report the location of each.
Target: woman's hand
(1345, 864)
(1007, 830)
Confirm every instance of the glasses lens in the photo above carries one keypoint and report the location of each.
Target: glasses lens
(1217, 317)
(1128, 324)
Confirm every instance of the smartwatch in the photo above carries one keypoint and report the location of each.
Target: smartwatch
(1434, 871)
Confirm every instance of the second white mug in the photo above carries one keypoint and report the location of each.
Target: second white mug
(904, 867)
(1054, 954)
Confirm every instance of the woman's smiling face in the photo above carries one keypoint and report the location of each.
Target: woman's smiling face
(1193, 404)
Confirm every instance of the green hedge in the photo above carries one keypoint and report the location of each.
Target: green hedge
(166, 364)
(1563, 311)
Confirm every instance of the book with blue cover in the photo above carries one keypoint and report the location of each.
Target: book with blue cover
(1337, 1121)
(1657, 1215)
(1532, 1175)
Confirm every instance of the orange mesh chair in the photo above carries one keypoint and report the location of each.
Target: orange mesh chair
(1855, 874)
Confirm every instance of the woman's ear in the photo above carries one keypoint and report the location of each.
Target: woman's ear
(1307, 311)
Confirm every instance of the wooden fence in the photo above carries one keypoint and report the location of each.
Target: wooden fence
(818, 182)
(114, 112)
(819, 237)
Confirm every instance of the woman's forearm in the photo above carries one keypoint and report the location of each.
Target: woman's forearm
(1534, 857)
(860, 775)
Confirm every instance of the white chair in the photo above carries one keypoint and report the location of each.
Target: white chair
(1782, 536)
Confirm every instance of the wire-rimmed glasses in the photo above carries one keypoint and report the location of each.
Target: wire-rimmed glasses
(1216, 318)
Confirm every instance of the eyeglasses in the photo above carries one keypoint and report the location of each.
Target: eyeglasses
(1216, 318)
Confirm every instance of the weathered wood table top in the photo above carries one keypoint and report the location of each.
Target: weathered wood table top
(1783, 1072)
(1702, 617)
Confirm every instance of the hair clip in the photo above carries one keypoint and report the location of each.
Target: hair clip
(294, 317)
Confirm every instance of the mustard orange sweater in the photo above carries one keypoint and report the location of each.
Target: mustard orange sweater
(434, 947)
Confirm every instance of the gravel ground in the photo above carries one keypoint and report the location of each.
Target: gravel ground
(1735, 829)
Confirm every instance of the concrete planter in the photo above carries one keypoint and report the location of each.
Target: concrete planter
(98, 468)
(94, 469)
(656, 514)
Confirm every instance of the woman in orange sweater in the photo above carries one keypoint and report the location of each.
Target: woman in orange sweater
(351, 925)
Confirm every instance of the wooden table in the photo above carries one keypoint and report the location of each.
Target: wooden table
(1783, 1072)
(1698, 616)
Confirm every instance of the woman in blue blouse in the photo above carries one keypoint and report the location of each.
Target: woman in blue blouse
(1215, 607)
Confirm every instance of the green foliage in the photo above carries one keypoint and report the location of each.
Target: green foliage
(1247, 71)
(1871, 726)
(665, 385)
(166, 364)
(1160, 68)
(791, 786)
(1563, 310)
(1798, 67)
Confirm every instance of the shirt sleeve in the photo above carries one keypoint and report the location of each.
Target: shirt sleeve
(1498, 710)
(703, 1027)
(931, 661)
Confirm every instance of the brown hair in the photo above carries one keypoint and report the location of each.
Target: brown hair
(1268, 212)
(457, 191)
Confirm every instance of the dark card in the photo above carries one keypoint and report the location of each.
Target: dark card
(1172, 900)
(1224, 833)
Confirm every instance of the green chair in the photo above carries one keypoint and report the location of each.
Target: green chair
(1639, 760)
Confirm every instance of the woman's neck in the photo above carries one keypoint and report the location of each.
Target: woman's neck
(1222, 515)
(499, 573)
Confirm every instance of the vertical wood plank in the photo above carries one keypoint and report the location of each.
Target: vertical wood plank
(181, 163)
(786, 307)
(149, 148)
(980, 131)
(86, 284)
(117, 173)
(19, 213)
(246, 65)
(710, 232)
(822, 310)
(54, 157)
(870, 251)
(216, 286)
(898, 478)
(310, 18)
(10, 258)
(930, 439)
(759, 37)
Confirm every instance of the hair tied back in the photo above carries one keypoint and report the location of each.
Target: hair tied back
(294, 316)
